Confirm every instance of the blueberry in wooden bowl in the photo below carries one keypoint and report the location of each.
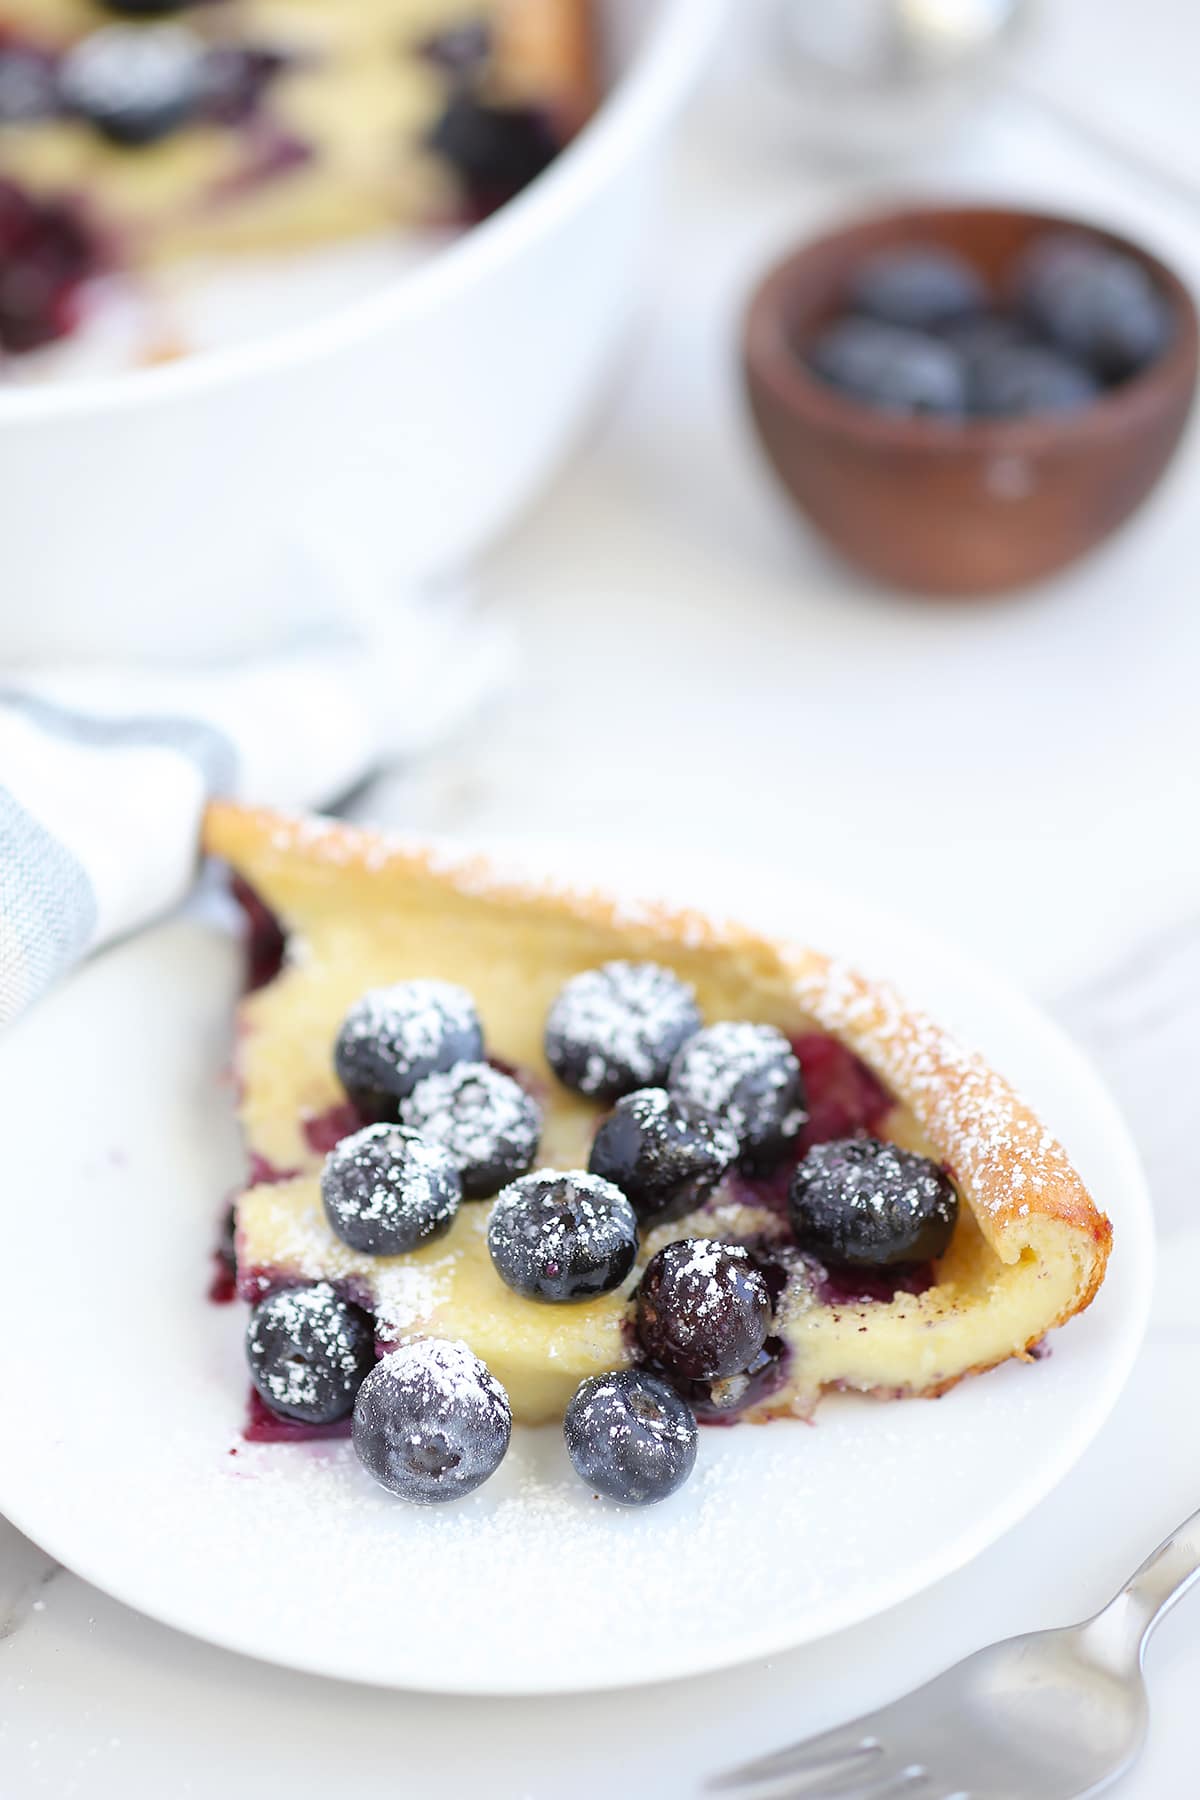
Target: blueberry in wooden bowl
(963, 400)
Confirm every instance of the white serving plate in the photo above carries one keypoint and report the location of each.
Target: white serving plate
(123, 1389)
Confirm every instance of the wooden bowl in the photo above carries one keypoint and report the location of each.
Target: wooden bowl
(956, 507)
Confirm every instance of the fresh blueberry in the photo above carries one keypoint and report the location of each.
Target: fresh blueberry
(494, 150)
(630, 1437)
(616, 1028)
(1014, 381)
(135, 83)
(431, 1421)
(309, 1353)
(28, 85)
(484, 1118)
(385, 1190)
(748, 1077)
(555, 1236)
(984, 333)
(922, 287)
(665, 1155)
(891, 368)
(395, 1036)
(870, 1205)
(1095, 304)
(703, 1309)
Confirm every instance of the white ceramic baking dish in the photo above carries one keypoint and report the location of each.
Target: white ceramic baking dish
(221, 503)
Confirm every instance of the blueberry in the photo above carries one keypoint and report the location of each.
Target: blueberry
(870, 1205)
(555, 1236)
(1015, 381)
(483, 1118)
(985, 332)
(703, 1309)
(309, 1353)
(665, 1155)
(135, 83)
(1095, 304)
(889, 367)
(616, 1028)
(922, 287)
(748, 1077)
(386, 1191)
(630, 1437)
(494, 150)
(431, 1421)
(394, 1036)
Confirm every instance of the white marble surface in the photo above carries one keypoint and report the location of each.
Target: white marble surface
(1021, 775)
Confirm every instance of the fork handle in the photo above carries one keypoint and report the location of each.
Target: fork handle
(1166, 1575)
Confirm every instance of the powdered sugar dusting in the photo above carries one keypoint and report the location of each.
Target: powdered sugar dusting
(403, 1291)
(385, 1189)
(702, 1266)
(326, 1335)
(740, 1073)
(600, 1393)
(410, 1021)
(446, 1373)
(987, 1135)
(479, 1115)
(562, 1230)
(330, 841)
(431, 1421)
(617, 1027)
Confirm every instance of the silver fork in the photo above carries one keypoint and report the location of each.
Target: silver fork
(1053, 1715)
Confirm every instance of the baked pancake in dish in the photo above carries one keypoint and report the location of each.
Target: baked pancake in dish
(136, 133)
(843, 1196)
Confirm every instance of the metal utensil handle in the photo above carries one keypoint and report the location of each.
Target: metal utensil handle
(1166, 1575)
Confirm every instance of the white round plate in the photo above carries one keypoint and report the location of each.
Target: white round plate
(124, 1389)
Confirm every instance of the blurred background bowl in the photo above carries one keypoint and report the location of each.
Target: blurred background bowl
(956, 507)
(217, 505)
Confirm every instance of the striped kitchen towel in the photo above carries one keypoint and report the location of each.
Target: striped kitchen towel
(104, 774)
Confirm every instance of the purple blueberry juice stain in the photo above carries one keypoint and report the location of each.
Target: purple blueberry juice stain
(263, 936)
(262, 1426)
(222, 1287)
(48, 253)
(728, 1402)
(844, 1097)
(324, 1130)
(854, 1287)
(264, 1173)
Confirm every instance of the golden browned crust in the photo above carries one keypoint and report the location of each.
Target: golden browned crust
(1027, 1200)
(1013, 1169)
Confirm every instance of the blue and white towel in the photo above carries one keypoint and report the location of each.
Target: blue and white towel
(104, 774)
